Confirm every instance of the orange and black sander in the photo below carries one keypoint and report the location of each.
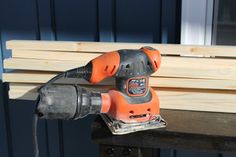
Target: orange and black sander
(131, 106)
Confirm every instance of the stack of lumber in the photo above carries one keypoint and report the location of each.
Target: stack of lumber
(200, 78)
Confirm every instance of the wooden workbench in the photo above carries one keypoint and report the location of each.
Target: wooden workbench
(204, 131)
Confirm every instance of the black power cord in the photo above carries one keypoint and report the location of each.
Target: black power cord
(81, 72)
(34, 129)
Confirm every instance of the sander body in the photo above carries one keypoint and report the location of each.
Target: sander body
(132, 105)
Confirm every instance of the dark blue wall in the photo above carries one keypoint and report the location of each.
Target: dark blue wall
(78, 20)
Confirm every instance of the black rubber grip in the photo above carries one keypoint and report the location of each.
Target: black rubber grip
(67, 102)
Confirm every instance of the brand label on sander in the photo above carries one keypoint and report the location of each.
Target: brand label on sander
(137, 86)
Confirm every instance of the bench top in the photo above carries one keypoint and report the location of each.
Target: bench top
(185, 130)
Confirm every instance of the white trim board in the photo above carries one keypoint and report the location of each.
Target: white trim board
(196, 22)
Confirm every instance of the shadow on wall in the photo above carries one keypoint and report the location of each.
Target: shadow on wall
(71, 138)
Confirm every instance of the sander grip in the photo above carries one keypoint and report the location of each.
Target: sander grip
(67, 102)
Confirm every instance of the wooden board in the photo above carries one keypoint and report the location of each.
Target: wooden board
(40, 77)
(198, 100)
(43, 65)
(53, 55)
(27, 88)
(41, 45)
(175, 49)
(183, 67)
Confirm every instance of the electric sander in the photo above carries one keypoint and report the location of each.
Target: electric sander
(131, 106)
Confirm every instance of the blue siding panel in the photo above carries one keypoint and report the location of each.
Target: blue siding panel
(53, 138)
(19, 21)
(21, 113)
(106, 21)
(77, 138)
(183, 153)
(137, 22)
(5, 141)
(45, 23)
(167, 152)
(229, 155)
(76, 20)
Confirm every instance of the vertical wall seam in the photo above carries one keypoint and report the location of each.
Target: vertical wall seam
(1, 53)
(7, 119)
(205, 29)
(54, 31)
(209, 22)
(61, 141)
(46, 136)
(53, 18)
(212, 24)
(161, 18)
(157, 31)
(97, 37)
(158, 152)
(38, 35)
(178, 20)
(214, 19)
(174, 153)
(114, 20)
(206, 23)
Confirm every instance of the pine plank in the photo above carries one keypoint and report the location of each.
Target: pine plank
(169, 98)
(27, 87)
(183, 67)
(42, 65)
(41, 45)
(53, 55)
(173, 49)
(198, 101)
(35, 77)
(39, 77)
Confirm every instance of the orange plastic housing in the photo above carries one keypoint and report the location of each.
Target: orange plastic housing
(119, 109)
(104, 66)
(154, 56)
